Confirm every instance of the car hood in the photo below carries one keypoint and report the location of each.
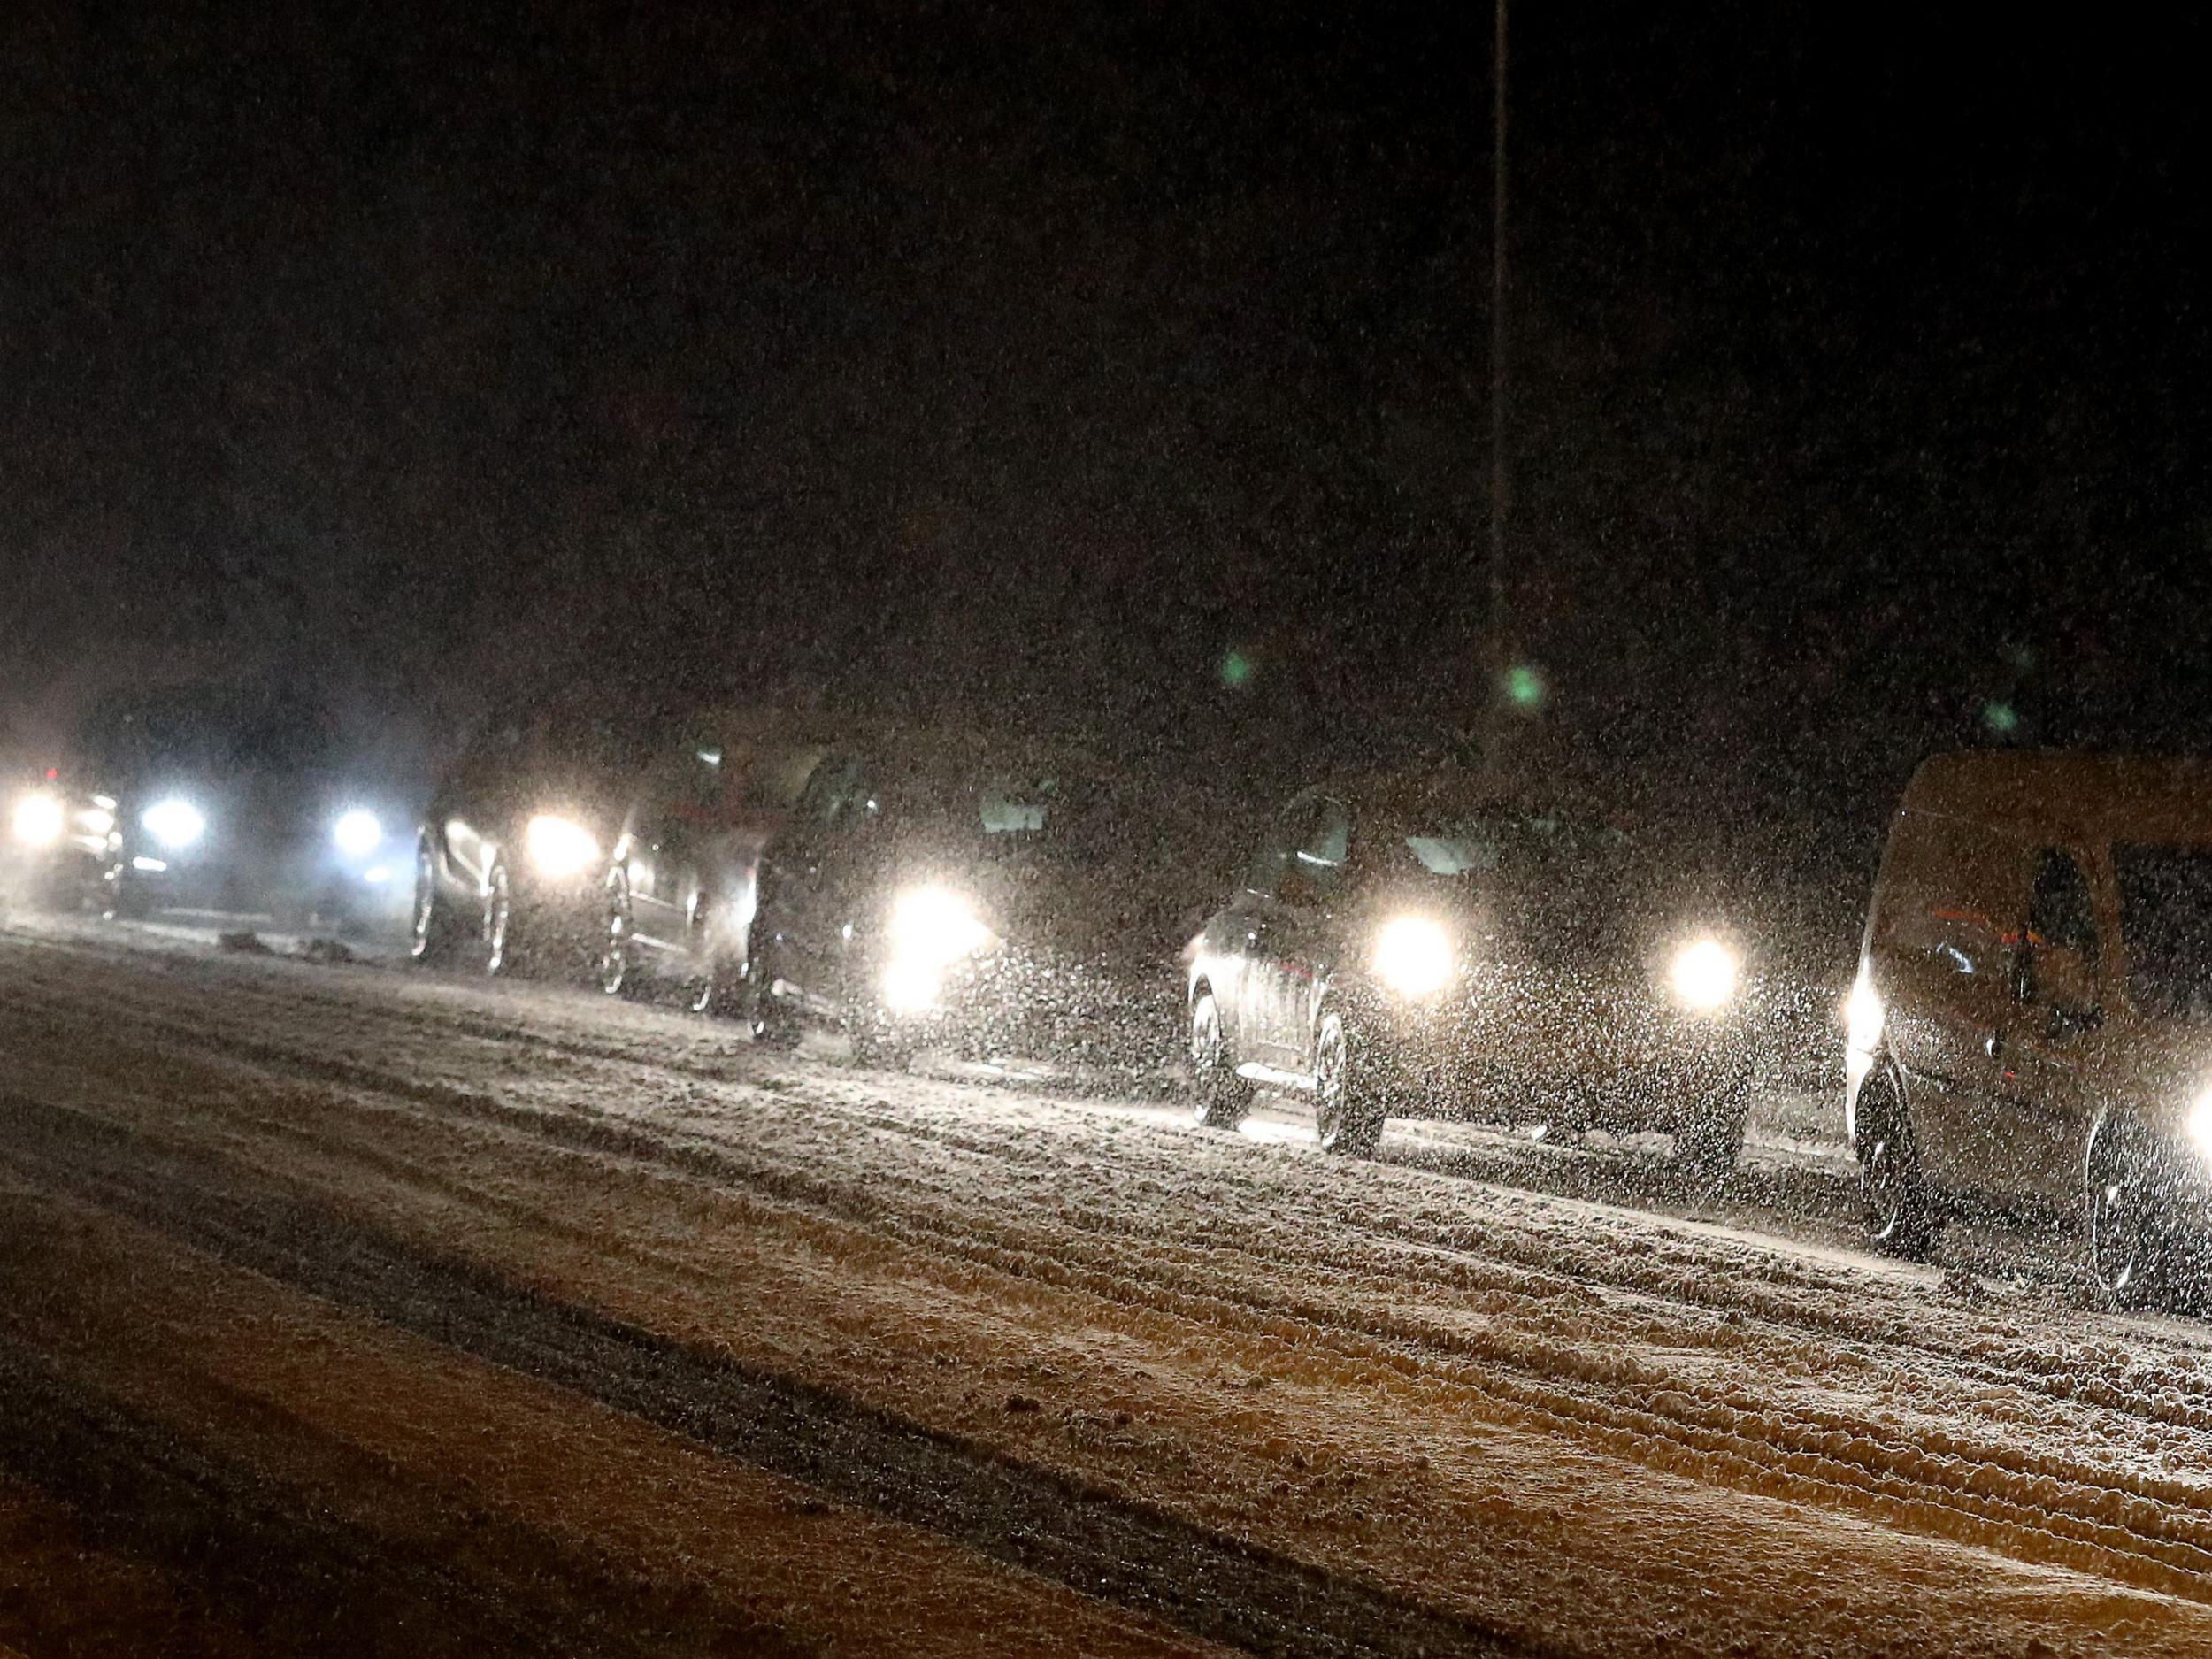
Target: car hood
(1108, 911)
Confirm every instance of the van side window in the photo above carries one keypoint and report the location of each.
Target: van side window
(2060, 910)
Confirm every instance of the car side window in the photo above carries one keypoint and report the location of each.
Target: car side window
(1263, 875)
(840, 796)
(2060, 909)
(1325, 842)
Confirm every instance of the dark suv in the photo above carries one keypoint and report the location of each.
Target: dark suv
(510, 858)
(995, 896)
(1410, 947)
(231, 798)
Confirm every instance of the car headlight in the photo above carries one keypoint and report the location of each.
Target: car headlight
(1704, 975)
(358, 833)
(38, 820)
(2201, 1123)
(934, 926)
(1413, 956)
(175, 823)
(1862, 1014)
(557, 847)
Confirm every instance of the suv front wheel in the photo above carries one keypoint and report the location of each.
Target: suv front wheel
(1348, 1112)
(1222, 1096)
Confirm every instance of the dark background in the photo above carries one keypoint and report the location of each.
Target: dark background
(1066, 361)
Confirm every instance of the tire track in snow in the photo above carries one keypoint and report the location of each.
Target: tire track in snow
(1134, 1555)
(2115, 1514)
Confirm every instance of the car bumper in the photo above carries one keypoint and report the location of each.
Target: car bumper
(1625, 1061)
(1033, 1004)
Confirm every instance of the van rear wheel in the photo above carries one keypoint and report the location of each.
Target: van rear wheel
(2133, 1240)
(1901, 1210)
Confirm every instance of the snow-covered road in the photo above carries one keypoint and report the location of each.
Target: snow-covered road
(518, 1316)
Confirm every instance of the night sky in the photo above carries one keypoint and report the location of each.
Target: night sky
(1050, 359)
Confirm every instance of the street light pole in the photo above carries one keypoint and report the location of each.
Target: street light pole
(1498, 653)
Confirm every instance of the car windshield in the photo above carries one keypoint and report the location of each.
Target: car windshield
(211, 733)
(1047, 813)
(1472, 847)
(2166, 925)
(1559, 885)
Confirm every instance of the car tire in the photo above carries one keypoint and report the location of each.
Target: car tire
(1347, 1113)
(502, 953)
(767, 1021)
(1901, 1216)
(2127, 1221)
(1223, 1098)
(877, 1048)
(433, 932)
(715, 987)
(617, 973)
(1709, 1145)
(126, 899)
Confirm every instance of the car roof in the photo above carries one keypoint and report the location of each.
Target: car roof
(2069, 794)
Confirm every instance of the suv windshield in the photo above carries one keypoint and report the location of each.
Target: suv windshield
(1558, 884)
(215, 733)
(1512, 844)
(2166, 923)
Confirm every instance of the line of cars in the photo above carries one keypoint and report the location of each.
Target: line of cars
(2027, 1028)
(1396, 946)
(218, 799)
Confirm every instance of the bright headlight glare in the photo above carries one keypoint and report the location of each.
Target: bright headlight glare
(934, 926)
(1862, 1014)
(557, 847)
(1705, 974)
(175, 823)
(38, 820)
(358, 833)
(911, 987)
(1413, 956)
(2201, 1123)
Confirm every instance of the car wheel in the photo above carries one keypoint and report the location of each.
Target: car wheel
(500, 954)
(2128, 1220)
(767, 1020)
(126, 899)
(879, 1049)
(1710, 1143)
(1347, 1118)
(1222, 1096)
(433, 933)
(1900, 1209)
(615, 977)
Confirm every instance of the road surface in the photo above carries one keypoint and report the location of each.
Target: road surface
(348, 1309)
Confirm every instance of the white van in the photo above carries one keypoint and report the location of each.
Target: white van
(2033, 1018)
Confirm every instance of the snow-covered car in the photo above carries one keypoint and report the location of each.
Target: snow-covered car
(2033, 1020)
(231, 799)
(511, 855)
(951, 888)
(1408, 946)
